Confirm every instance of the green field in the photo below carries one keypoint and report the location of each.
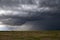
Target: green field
(30, 35)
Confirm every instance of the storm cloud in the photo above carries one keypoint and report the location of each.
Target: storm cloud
(42, 14)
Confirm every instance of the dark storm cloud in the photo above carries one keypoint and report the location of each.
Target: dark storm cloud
(12, 19)
(45, 15)
(49, 20)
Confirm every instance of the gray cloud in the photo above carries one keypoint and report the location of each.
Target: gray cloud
(46, 12)
(13, 21)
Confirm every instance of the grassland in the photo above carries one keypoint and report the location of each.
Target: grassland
(30, 35)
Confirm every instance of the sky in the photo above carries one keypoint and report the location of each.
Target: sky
(25, 15)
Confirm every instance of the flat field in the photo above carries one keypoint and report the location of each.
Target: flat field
(29, 35)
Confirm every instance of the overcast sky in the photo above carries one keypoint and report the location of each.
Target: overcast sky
(29, 15)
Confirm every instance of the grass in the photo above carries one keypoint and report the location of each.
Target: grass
(30, 35)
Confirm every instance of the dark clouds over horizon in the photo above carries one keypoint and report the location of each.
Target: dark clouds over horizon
(44, 16)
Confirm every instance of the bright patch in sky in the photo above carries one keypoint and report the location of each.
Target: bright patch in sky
(5, 12)
(3, 28)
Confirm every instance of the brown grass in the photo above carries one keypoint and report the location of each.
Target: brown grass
(30, 35)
